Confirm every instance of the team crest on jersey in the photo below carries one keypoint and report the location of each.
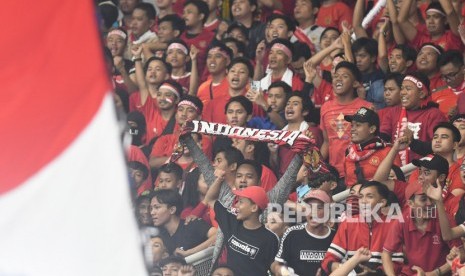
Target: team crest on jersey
(436, 239)
(339, 125)
(374, 160)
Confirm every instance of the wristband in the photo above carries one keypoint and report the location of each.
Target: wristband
(136, 59)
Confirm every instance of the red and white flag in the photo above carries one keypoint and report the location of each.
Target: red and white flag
(65, 207)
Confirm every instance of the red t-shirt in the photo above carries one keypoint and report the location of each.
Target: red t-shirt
(184, 81)
(155, 122)
(212, 26)
(268, 179)
(201, 41)
(214, 110)
(337, 129)
(207, 91)
(420, 121)
(446, 98)
(426, 250)
(322, 93)
(333, 15)
(436, 82)
(461, 104)
(447, 41)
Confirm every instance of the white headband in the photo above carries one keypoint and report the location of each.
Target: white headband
(432, 47)
(436, 11)
(283, 48)
(170, 88)
(178, 46)
(189, 103)
(118, 32)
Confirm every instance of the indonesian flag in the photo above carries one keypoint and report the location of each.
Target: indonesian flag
(65, 205)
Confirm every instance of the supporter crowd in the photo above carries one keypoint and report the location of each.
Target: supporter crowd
(380, 95)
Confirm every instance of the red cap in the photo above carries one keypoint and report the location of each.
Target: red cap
(319, 195)
(414, 188)
(255, 193)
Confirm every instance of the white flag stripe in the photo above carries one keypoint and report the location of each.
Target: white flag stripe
(74, 217)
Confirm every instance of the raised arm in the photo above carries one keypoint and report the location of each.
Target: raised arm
(318, 57)
(451, 15)
(119, 65)
(384, 168)
(408, 29)
(140, 78)
(194, 79)
(281, 190)
(259, 56)
(399, 37)
(200, 159)
(383, 61)
(359, 11)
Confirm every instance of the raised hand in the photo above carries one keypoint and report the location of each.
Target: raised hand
(186, 270)
(260, 51)
(193, 53)
(136, 50)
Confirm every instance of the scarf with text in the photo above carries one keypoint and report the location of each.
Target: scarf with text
(359, 152)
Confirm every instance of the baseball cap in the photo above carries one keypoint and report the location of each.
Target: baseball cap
(319, 195)
(255, 193)
(413, 188)
(436, 162)
(364, 115)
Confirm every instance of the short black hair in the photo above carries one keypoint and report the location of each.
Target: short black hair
(167, 65)
(289, 23)
(319, 178)
(327, 29)
(195, 100)
(383, 191)
(396, 77)
(202, 7)
(436, 6)
(176, 22)
(281, 84)
(222, 46)
(173, 259)
(239, 44)
(240, 26)
(307, 104)
(242, 100)
(244, 61)
(109, 13)
(148, 8)
(450, 126)
(175, 85)
(368, 44)
(136, 165)
(301, 50)
(257, 166)
(169, 197)
(230, 268)
(452, 56)
(352, 68)
(231, 154)
(408, 53)
(172, 168)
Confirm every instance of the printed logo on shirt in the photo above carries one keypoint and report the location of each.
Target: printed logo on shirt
(436, 239)
(310, 255)
(374, 161)
(415, 127)
(243, 247)
(339, 125)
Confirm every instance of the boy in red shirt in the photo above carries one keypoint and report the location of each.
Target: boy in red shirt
(336, 131)
(195, 15)
(366, 150)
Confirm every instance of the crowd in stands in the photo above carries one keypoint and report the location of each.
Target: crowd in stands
(373, 98)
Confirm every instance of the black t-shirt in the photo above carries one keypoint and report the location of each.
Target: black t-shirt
(249, 252)
(302, 250)
(186, 236)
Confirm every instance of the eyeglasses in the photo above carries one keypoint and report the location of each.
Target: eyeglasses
(451, 76)
(462, 167)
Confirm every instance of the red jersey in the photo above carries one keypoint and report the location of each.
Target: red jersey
(201, 41)
(333, 15)
(426, 250)
(184, 81)
(420, 121)
(447, 41)
(461, 104)
(322, 93)
(208, 91)
(446, 98)
(212, 26)
(355, 233)
(155, 122)
(368, 166)
(214, 110)
(268, 179)
(337, 129)
(435, 82)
